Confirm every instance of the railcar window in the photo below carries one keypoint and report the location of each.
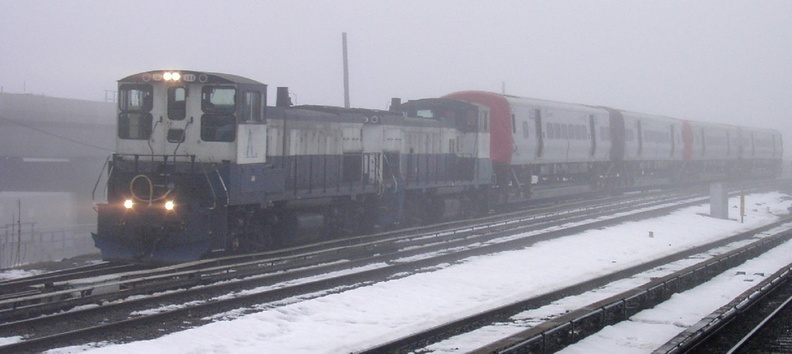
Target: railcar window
(550, 131)
(251, 109)
(177, 108)
(218, 99)
(134, 126)
(136, 98)
(218, 127)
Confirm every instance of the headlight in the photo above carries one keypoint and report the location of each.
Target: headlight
(169, 205)
(128, 204)
(171, 76)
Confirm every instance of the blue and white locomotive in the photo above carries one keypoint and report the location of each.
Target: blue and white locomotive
(203, 165)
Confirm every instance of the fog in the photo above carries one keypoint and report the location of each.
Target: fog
(718, 61)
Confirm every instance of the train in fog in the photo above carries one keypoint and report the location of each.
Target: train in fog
(204, 165)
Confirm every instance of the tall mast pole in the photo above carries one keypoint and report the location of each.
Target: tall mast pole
(346, 70)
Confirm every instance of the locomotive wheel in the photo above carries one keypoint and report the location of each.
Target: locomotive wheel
(234, 244)
(263, 234)
(343, 218)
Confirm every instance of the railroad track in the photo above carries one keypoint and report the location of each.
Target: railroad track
(44, 294)
(206, 290)
(556, 333)
(758, 321)
(46, 282)
(774, 333)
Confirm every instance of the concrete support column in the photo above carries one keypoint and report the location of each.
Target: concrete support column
(719, 200)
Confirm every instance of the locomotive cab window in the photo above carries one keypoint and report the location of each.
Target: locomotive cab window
(218, 127)
(134, 119)
(218, 99)
(177, 103)
(424, 113)
(251, 107)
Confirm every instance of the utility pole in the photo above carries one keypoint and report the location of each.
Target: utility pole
(18, 258)
(346, 69)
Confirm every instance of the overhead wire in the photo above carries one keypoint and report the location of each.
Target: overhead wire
(55, 135)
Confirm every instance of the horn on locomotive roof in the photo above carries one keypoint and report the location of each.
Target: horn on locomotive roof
(282, 99)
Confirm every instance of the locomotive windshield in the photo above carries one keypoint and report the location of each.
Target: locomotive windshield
(218, 127)
(177, 104)
(219, 122)
(218, 99)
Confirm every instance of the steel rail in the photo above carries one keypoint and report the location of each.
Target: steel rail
(575, 325)
(344, 280)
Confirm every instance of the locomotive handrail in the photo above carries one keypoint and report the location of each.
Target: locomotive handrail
(152, 133)
(164, 157)
(96, 185)
(181, 139)
(225, 189)
(211, 187)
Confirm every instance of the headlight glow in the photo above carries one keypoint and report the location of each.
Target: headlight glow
(128, 204)
(169, 205)
(171, 76)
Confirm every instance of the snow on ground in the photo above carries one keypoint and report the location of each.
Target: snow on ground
(650, 329)
(357, 319)
(10, 274)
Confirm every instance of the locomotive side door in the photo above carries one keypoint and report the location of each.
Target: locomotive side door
(252, 132)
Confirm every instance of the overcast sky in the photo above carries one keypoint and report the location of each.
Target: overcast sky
(720, 61)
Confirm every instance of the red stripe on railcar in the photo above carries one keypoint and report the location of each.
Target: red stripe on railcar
(501, 140)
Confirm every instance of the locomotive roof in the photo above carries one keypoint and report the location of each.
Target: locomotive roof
(339, 110)
(207, 77)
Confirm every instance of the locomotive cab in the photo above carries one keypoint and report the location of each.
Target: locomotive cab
(210, 116)
(182, 138)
